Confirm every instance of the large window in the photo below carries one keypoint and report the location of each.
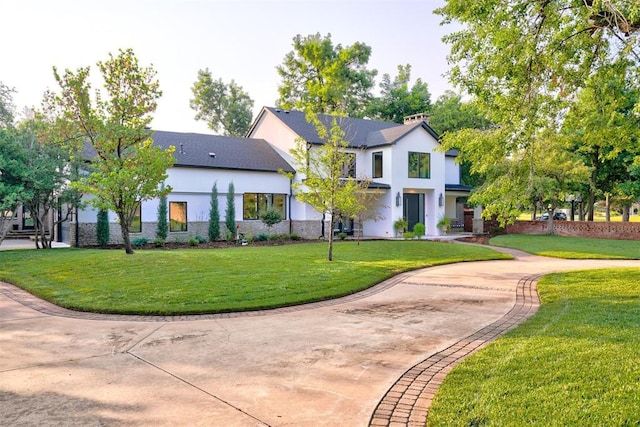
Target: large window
(255, 204)
(419, 165)
(377, 164)
(349, 166)
(136, 222)
(177, 216)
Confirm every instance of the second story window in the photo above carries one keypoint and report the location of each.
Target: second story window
(377, 164)
(419, 165)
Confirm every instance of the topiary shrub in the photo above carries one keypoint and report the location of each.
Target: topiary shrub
(158, 242)
(409, 235)
(193, 241)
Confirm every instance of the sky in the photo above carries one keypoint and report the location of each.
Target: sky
(243, 40)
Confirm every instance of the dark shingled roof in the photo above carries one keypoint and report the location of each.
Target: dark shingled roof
(359, 132)
(221, 152)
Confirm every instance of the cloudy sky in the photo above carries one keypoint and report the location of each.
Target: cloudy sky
(243, 40)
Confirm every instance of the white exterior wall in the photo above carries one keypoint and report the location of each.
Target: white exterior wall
(452, 171)
(276, 133)
(283, 139)
(193, 185)
(417, 141)
(451, 207)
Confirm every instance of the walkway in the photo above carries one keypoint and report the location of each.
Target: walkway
(375, 358)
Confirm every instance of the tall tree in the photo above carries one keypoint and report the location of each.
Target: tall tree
(13, 171)
(50, 173)
(450, 114)
(522, 62)
(324, 186)
(6, 105)
(126, 168)
(214, 215)
(224, 107)
(397, 100)
(322, 77)
(604, 130)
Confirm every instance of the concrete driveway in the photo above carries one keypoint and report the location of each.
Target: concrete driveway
(347, 362)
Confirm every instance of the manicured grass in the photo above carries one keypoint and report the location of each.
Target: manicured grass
(575, 363)
(570, 247)
(219, 280)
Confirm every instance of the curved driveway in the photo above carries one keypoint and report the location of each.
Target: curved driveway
(369, 359)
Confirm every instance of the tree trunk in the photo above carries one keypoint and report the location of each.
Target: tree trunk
(626, 213)
(331, 224)
(591, 200)
(550, 221)
(124, 227)
(607, 208)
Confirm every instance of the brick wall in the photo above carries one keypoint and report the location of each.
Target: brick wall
(601, 230)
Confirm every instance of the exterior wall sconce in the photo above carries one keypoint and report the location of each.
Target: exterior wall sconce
(398, 199)
(441, 200)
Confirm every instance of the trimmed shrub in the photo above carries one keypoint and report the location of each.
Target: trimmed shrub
(140, 242)
(214, 215)
(163, 225)
(102, 227)
(230, 220)
(419, 229)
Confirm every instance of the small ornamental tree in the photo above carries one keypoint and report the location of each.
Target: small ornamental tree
(230, 220)
(125, 167)
(163, 226)
(271, 217)
(323, 166)
(214, 215)
(102, 228)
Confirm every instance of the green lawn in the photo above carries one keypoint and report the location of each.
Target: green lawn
(575, 363)
(218, 280)
(570, 247)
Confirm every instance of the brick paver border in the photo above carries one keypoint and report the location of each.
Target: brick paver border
(407, 402)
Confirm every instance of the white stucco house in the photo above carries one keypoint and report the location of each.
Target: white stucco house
(418, 182)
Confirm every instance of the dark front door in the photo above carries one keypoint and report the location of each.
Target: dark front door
(413, 208)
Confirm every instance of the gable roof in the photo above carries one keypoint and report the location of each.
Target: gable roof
(360, 133)
(221, 152)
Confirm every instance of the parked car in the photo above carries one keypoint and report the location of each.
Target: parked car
(557, 216)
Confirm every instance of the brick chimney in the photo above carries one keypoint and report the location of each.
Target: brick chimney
(420, 117)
